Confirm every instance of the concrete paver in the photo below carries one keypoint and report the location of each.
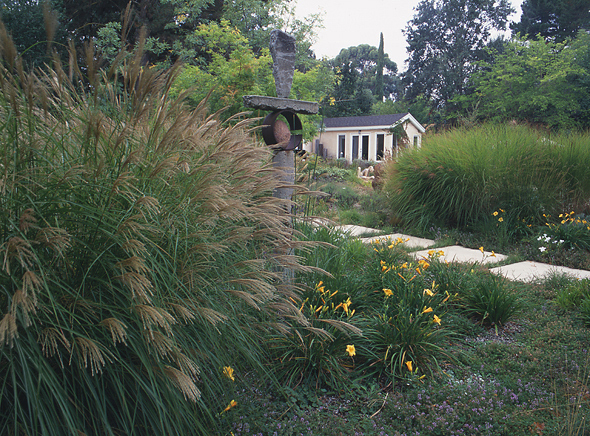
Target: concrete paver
(356, 230)
(408, 241)
(528, 271)
(456, 253)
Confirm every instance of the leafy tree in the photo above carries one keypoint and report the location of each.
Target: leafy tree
(316, 84)
(364, 59)
(32, 24)
(358, 83)
(342, 100)
(445, 40)
(552, 19)
(543, 82)
(419, 108)
(234, 70)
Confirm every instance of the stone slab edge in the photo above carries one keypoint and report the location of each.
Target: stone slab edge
(528, 271)
(275, 103)
(409, 241)
(457, 253)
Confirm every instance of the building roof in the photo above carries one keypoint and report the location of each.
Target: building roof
(366, 120)
(371, 121)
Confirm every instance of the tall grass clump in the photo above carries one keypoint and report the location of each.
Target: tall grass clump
(140, 251)
(493, 176)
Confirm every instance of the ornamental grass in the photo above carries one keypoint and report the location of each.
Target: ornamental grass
(462, 177)
(140, 251)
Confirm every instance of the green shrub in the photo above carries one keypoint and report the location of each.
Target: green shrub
(404, 333)
(351, 216)
(344, 195)
(569, 231)
(571, 296)
(490, 301)
(140, 251)
(318, 352)
(585, 309)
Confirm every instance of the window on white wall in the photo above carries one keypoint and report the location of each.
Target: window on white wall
(380, 146)
(365, 149)
(341, 146)
(355, 147)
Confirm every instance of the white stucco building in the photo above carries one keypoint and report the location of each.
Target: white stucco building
(365, 137)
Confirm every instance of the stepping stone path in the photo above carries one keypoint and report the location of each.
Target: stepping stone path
(522, 271)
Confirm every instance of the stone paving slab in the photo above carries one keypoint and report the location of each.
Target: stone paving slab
(356, 230)
(409, 241)
(456, 253)
(529, 271)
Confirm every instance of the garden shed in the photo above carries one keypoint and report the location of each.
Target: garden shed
(369, 138)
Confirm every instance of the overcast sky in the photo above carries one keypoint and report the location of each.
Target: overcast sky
(348, 23)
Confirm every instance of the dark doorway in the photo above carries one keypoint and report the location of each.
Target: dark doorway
(355, 147)
(380, 146)
(365, 151)
(341, 146)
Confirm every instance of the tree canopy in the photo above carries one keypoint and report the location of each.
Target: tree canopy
(445, 40)
(553, 19)
(540, 82)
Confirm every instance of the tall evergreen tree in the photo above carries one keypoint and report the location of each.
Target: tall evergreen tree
(553, 19)
(379, 79)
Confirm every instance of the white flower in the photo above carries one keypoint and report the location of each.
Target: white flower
(548, 238)
(561, 241)
(539, 238)
(541, 249)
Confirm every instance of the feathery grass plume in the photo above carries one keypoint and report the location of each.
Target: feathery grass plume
(50, 338)
(144, 233)
(27, 220)
(18, 249)
(21, 302)
(8, 330)
(88, 352)
(183, 382)
(117, 330)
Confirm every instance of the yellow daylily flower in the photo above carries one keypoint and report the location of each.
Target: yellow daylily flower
(231, 405)
(495, 213)
(429, 292)
(351, 350)
(481, 249)
(388, 292)
(409, 365)
(436, 319)
(228, 371)
(500, 219)
(344, 305)
(427, 310)
(423, 263)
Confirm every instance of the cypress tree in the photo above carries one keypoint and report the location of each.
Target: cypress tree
(379, 80)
